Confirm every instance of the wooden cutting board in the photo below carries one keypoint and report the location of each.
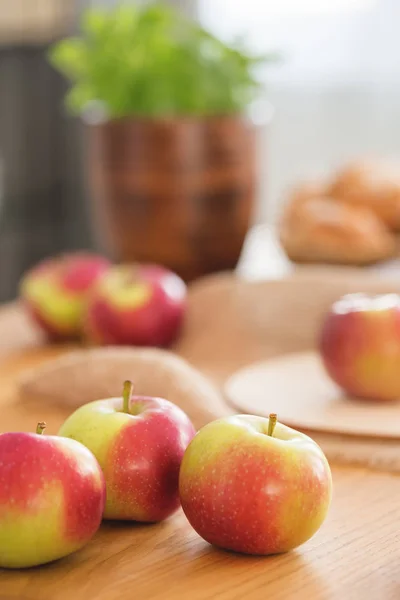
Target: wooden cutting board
(231, 324)
(169, 561)
(297, 388)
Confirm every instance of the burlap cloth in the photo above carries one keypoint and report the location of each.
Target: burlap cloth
(231, 323)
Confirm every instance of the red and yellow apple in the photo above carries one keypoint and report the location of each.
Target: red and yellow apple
(52, 496)
(139, 443)
(360, 346)
(55, 292)
(138, 305)
(254, 486)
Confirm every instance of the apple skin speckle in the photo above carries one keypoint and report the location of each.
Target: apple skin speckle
(140, 453)
(249, 492)
(140, 305)
(55, 292)
(360, 346)
(52, 496)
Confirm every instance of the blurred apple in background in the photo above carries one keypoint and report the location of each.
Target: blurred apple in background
(139, 305)
(55, 292)
(360, 346)
(139, 443)
(52, 496)
(251, 486)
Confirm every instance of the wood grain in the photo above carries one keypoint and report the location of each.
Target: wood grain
(355, 555)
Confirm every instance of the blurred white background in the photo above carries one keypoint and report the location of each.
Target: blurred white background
(323, 41)
(336, 94)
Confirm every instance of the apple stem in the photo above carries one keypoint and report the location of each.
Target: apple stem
(271, 424)
(126, 395)
(40, 427)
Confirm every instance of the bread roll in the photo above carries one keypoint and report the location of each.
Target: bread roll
(371, 184)
(324, 230)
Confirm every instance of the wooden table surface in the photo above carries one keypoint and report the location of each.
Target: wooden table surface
(356, 554)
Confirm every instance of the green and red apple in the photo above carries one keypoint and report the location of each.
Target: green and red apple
(139, 442)
(52, 497)
(55, 292)
(252, 485)
(138, 305)
(360, 346)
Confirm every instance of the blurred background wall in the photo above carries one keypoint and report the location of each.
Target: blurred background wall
(41, 194)
(42, 189)
(335, 96)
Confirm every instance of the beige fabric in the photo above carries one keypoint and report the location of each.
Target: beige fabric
(230, 323)
(85, 375)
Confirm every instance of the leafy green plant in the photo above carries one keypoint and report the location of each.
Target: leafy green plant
(153, 62)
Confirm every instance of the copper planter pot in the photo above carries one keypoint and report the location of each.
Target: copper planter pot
(179, 192)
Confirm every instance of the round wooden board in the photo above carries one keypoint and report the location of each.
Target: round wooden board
(171, 561)
(297, 388)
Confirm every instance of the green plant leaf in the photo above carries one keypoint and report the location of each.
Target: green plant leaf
(154, 62)
(94, 22)
(70, 57)
(79, 97)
